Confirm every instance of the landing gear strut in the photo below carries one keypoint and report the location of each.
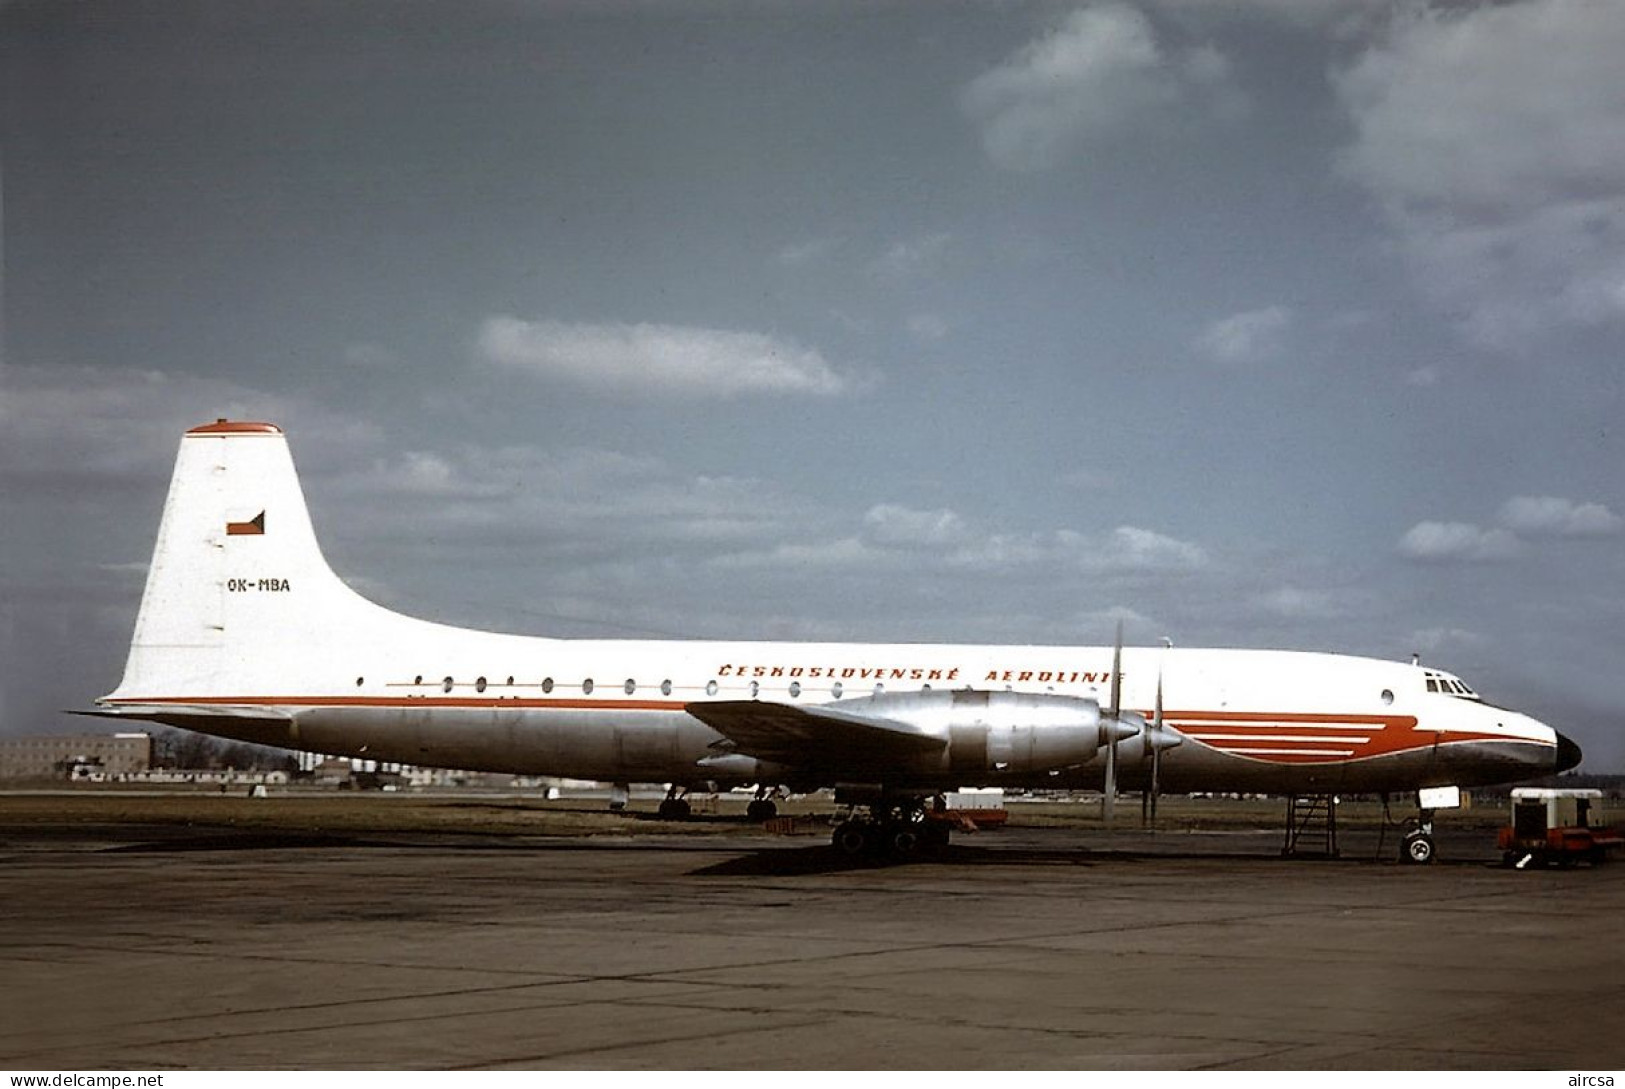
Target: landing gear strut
(894, 827)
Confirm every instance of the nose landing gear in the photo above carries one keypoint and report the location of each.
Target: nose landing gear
(1416, 848)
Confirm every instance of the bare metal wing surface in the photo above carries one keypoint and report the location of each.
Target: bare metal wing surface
(815, 736)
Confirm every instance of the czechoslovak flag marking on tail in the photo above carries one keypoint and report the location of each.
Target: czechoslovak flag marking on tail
(254, 527)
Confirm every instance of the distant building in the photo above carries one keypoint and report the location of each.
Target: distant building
(62, 756)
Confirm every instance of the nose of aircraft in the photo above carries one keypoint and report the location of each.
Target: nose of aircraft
(1568, 754)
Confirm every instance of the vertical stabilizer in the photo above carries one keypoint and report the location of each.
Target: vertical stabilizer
(238, 585)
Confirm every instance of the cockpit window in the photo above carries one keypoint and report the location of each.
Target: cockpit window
(1449, 686)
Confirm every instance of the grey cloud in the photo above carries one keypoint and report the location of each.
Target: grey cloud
(75, 426)
(1097, 72)
(1494, 137)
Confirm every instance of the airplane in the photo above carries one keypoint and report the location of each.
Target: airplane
(245, 632)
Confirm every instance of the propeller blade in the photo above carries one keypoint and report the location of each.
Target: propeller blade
(1117, 674)
(1155, 739)
(1108, 800)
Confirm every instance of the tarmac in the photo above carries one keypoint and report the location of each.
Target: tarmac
(208, 946)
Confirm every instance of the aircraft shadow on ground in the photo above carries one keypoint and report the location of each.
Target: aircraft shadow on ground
(803, 856)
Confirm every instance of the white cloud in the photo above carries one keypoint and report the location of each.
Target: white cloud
(841, 552)
(1549, 516)
(659, 359)
(1250, 337)
(889, 524)
(1446, 542)
(1132, 548)
(1098, 71)
(1522, 519)
(1494, 138)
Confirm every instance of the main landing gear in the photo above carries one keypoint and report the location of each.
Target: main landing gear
(762, 807)
(894, 827)
(674, 806)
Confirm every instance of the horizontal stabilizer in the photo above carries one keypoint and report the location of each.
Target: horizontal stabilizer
(814, 736)
(261, 725)
(196, 712)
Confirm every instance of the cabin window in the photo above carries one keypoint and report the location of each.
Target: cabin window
(1388, 696)
(835, 689)
(445, 685)
(795, 689)
(359, 681)
(479, 685)
(755, 687)
(418, 679)
(710, 688)
(586, 687)
(631, 686)
(665, 688)
(879, 688)
(547, 684)
(510, 682)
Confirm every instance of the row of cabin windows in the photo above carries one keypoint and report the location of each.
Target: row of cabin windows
(836, 689)
(631, 686)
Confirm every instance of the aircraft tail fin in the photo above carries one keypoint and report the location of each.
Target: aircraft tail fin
(237, 582)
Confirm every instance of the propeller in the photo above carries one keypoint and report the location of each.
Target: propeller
(1108, 799)
(1148, 807)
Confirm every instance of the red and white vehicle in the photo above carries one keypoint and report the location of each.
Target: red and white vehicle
(1561, 825)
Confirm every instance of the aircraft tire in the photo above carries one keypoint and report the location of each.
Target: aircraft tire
(762, 809)
(904, 842)
(853, 838)
(1417, 849)
(674, 809)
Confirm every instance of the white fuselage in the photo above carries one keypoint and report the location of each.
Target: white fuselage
(245, 632)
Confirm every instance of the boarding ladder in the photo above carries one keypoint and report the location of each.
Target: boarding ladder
(1311, 814)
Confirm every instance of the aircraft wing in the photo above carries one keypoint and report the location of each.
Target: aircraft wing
(814, 736)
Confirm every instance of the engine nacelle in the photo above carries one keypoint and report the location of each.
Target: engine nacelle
(1000, 732)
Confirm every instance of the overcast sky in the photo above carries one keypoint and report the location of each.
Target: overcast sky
(1268, 323)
